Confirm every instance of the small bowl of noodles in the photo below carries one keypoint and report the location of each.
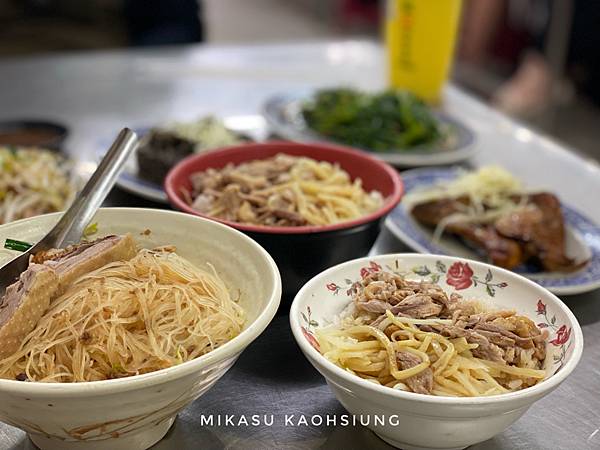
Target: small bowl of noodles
(434, 351)
(105, 341)
(310, 205)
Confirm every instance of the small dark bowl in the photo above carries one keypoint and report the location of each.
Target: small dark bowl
(301, 252)
(33, 133)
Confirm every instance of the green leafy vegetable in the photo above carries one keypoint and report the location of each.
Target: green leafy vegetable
(385, 121)
(20, 246)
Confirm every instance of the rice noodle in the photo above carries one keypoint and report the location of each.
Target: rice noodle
(127, 318)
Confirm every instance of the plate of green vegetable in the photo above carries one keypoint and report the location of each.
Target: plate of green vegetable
(395, 125)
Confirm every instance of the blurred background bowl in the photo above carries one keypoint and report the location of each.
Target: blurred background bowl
(418, 421)
(135, 412)
(33, 133)
(301, 252)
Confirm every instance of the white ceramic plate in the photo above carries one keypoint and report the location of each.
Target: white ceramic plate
(582, 239)
(283, 113)
(253, 126)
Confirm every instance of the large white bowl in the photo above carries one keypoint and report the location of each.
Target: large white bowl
(134, 413)
(416, 421)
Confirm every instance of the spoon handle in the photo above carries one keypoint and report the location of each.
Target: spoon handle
(72, 224)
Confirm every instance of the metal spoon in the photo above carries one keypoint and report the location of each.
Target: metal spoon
(73, 222)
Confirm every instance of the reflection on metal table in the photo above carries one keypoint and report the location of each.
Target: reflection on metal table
(96, 94)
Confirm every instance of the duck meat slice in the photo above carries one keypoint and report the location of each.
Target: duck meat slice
(418, 306)
(379, 290)
(421, 383)
(540, 226)
(48, 276)
(77, 260)
(485, 349)
(497, 338)
(430, 213)
(498, 330)
(373, 306)
(534, 232)
(23, 304)
(292, 217)
(500, 250)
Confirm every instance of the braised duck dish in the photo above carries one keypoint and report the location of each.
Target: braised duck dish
(491, 212)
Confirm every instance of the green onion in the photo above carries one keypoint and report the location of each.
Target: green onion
(90, 230)
(20, 246)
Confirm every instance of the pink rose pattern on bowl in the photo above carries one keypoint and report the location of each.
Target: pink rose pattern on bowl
(459, 276)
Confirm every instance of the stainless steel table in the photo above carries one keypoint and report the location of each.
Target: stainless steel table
(97, 93)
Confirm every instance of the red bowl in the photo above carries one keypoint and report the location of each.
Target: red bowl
(301, 252)
(374, 173)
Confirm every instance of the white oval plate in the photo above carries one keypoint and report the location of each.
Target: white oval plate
(283, 114)
(253, 126)
(582, 239)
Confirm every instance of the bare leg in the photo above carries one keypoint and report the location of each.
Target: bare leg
(479, 24)
(529, 91)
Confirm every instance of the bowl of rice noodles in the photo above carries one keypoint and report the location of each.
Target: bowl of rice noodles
(322, 203)
(104, 342)
(434, 351)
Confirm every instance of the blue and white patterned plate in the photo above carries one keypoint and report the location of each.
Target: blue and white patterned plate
(582, 238)
(253, 126)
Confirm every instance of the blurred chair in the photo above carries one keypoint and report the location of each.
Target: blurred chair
(163, 22)
(357, 14)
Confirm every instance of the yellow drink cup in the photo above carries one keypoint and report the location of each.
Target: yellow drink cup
(420, 37)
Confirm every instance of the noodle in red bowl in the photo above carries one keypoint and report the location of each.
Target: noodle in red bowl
(315, 245)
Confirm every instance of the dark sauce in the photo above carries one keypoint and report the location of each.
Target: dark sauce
(28, 136)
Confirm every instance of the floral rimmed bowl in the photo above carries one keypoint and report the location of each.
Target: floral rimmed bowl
(417, 421)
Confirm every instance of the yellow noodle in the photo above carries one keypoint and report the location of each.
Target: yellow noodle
(320, 193)
(455, 371)
(518, 371)
(466, 382)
